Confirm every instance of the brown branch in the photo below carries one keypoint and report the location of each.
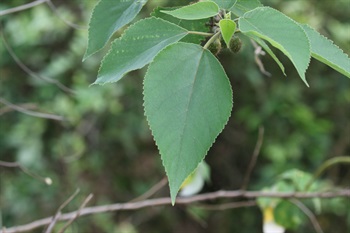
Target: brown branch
(183, 200)
(253, 159)
(22, 7)
(59, 213)
(258, 51)
(46, 180)
(31, 113)
(77, 213)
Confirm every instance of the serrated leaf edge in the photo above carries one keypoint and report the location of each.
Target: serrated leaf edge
(173, 199)
(121, 37)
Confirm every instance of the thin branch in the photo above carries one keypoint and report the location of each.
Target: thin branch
(225, 206)
(253, 159)
(152, 190)
(77, 213)
(58, 212)
(327, 164)
(212, 39)
(22, 7)
(46, 180)
(258, 51)
(27, 70)
(200, 33)
(183, 200)
(308, 213)
(73, 25)
(31, 113)
(28, 106)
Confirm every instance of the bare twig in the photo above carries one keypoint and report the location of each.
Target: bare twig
(77, 213)
(31, 113)
(22, 7)
(253, 159)
(167, 201)
(258, 51)
(46, 180)
(225, 206)
(152, 190)
(58, 212)
(73, 25)
(28, 70)
(28, 106)
(308, 213)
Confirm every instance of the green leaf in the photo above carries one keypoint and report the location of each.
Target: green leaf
(187, 101)
(137, 47)
(199, 10)
(325, 51)
(288, 215)
(269, 51)
(242, 6)
(107, 17)
(190, 25)
(227, 27)
(225, 4)
(286, 35)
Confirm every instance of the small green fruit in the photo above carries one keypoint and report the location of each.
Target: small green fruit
(235, 44)
(215, 47)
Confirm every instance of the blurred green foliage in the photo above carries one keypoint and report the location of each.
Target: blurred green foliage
(104, 145)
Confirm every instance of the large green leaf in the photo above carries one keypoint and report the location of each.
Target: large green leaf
(242, 6)
(199, 10)
(187, 101)
(325, 51)
(227, 27)
(282, 32)
(107, 17)
(191, 25)
(137, 47)
(225, 4)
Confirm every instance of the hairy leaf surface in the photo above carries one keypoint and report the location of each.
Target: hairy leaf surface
(199, 10)
(137, 47)
(107, 17)
(242, 6)
(286, 35)
(325, 51)
(187, 101)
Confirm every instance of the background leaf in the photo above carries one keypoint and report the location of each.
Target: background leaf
(187, 101)
(227, 27)
(286, 35)
(137, 47)
(190, 25)
(225, 4)
(242, 6)
(325, 51)
(199, 10)
(107, 17)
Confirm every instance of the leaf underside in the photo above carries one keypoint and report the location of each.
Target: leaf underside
(137, 47)
(107, 17)
(199, 10)
(187, 101)
(325, 51)
(286, 35)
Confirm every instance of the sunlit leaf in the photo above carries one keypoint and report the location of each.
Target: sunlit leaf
(187, 101)
(227, 27)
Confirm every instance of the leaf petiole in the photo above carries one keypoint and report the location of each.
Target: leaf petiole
(212, 39)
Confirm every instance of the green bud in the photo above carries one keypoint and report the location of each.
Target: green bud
(235, 44)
